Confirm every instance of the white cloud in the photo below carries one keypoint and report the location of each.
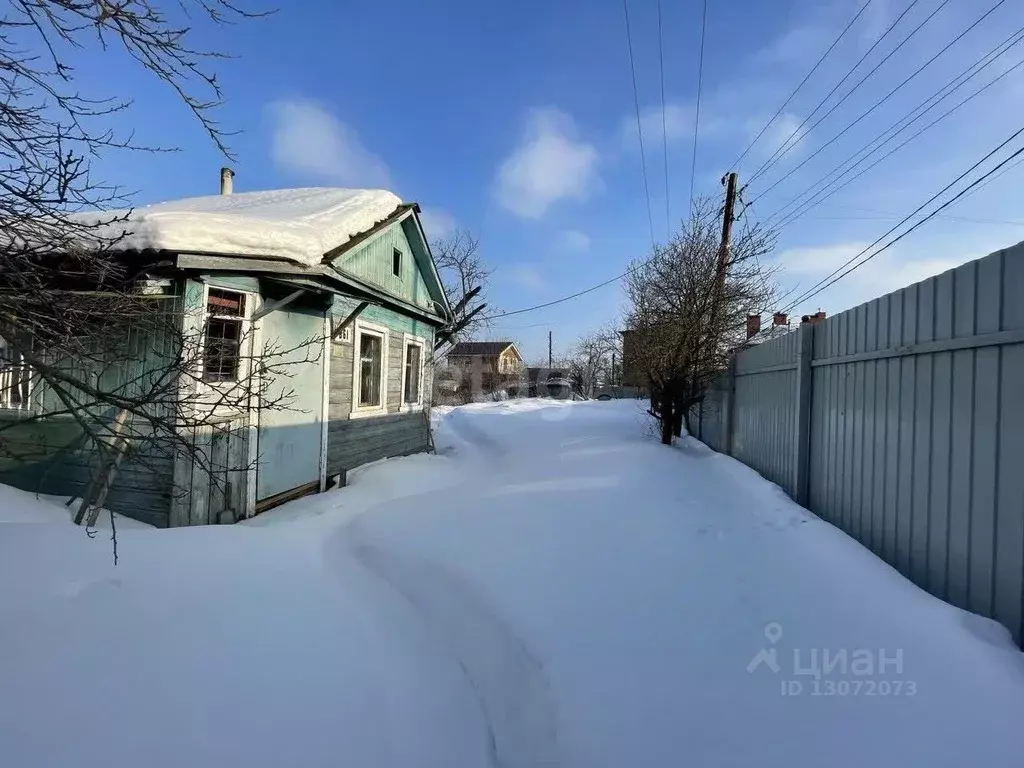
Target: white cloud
(793, 46)
(527, 276)
(573, 240)
(309, 142)
(785, 130)
(437, 223)
(888, 271)
(678, 125)
(550, 164)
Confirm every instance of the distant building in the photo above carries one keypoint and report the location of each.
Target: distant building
(500, 357)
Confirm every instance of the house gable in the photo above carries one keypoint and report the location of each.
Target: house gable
(399, 244)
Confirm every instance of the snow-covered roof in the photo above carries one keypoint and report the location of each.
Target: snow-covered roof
(296, 224)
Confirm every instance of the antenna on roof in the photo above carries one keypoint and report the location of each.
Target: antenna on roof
(226, 175)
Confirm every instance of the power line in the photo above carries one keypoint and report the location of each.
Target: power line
(885, 98)
(920, 223)
(818, 192)
(803, 82)
(639, 128)
(890, 216)
(786, 146)
(591, 289)
(822, 284)
(664, 123)
(700, 81)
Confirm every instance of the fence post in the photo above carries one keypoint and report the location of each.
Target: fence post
(728, 408)
(802, 444)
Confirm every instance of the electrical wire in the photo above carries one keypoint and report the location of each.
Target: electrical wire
(824, 282)
(639, 127)
(664, 124)
(700, 82)
(785, 147)
(885, 98)
(918, 224)
(803, 82)
(820, 191)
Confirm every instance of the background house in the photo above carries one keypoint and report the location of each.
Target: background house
(500, 357)
(319, 306)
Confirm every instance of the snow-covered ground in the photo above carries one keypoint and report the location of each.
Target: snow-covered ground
(553, 589)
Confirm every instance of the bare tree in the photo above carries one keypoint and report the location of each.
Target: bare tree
(589, 362)
(465, 275)
(117, 353)
(687, 314)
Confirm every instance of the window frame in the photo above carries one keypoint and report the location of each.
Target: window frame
(397, 257)
(16, 375)
(249, 300)
(356, 410)
(413, 341)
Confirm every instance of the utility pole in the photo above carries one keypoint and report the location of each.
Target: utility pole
(728, 216)
(550, 362)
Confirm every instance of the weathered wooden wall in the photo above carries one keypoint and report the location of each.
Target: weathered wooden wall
(54, 455)
(355, 441)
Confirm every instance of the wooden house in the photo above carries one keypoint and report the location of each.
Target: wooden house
(501, 357)
(338, 284)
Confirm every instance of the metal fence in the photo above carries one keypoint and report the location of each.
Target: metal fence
(902, 423)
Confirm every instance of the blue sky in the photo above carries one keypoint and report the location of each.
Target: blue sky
(516, 121)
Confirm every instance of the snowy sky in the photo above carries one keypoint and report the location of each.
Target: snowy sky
(516, 120)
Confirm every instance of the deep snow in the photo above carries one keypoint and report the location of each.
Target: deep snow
(296, 224)
(555, 588)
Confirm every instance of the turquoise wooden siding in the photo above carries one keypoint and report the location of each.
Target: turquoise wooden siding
(394, 321)
(372, 262)
(54, 455)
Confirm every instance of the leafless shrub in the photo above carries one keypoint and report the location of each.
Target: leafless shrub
(687, 314)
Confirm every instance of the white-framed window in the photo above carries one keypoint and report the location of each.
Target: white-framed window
(396, 262)
(412, 372)
(370, 370)
(225, 328)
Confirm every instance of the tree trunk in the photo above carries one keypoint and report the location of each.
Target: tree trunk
(666, 419)
(679, 413)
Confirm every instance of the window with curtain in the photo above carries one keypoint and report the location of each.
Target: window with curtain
(413, 353)
(371, 364)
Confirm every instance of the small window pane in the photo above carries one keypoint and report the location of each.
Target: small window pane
(225, 303)
(412, 373)
(222, 350)
(370, 360)
(396, 262)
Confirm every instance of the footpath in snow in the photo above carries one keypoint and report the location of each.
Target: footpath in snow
(553, 589)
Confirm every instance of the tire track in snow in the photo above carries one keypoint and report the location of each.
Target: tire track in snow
(508, 680)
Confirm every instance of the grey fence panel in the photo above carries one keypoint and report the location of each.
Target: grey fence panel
(915, 429)
(764, 435)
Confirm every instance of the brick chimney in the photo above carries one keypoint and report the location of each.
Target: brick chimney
(226, 175)
(817, 317)
(753, 325)
(780, 318)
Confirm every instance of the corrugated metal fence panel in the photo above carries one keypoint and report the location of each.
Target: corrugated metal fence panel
(919, 453)
(708, 418)
(764, 413)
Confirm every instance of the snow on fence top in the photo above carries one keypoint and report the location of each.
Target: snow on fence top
(296, 224)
